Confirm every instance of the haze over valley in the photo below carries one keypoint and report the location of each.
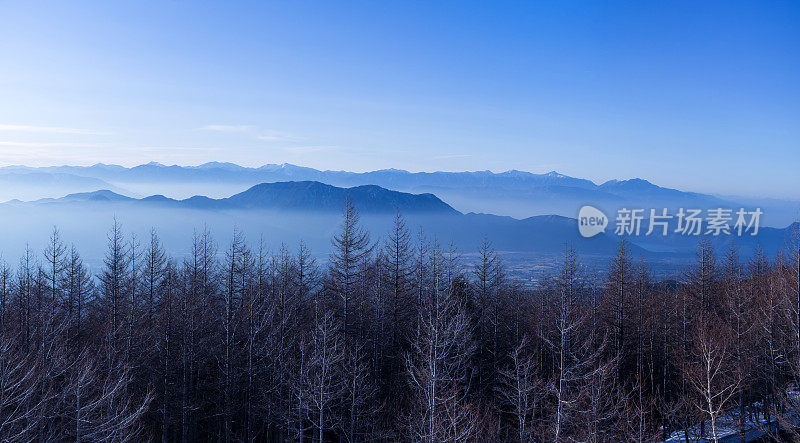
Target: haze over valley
(528, 217)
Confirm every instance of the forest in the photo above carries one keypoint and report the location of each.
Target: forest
(392, 338)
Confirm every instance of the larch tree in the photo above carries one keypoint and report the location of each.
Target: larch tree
(350, 247)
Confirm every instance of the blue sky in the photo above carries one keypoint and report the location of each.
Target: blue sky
(695, 95)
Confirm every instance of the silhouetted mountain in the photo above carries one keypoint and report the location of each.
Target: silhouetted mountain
(516, 193)
(539, 234)
(103, 195)
(294, 196)
(638, 188)
(308, 210)
(389, 178)
(289, 211)
(33, 184)
(317, 196)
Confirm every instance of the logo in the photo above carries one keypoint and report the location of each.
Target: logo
(685, 222)
(591, 221)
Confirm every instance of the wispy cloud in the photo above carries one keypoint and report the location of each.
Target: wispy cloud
(51, 144)
(228, 128)
(277, 136)
(268, 135)
(49, 130)
(175, 148)
(49, 153)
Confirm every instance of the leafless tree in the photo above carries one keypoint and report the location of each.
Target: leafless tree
(712, 376)
(253, 345)
(79, 286)
(323, 385)
(523, 391)
(351, 245)
(360, 403)
(438, 371)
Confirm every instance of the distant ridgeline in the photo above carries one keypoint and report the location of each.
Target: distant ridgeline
(287, 212)
(513, 193)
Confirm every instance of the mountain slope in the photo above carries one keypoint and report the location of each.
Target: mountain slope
(321, 197)
(286, 212)
(295, 196)
(35, 184)
(516, 193)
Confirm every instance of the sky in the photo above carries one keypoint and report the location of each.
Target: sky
(699, 96)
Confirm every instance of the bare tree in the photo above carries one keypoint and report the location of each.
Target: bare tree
(114, 275)
(322, 388)
(573, 357)
(523, 391)
(251, 345)
(55, 258)
(711, 376)
(351, 245)
(307, 277)
(154, 270)
(438, 371)
(488, 312)
(360, 403)
(79, 286)
(237, 266)
(738, 301)
(617, 302)
(394, 304)
(98, 407)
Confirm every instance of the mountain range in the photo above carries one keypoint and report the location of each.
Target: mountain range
(530, 217)
(305, 196)
(513, 193)
(310, 210)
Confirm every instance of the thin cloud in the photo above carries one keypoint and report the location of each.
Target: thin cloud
(49, 130)
(51, 144)
(228, 128)
(175, 148)
(268, 135)
(277, 136)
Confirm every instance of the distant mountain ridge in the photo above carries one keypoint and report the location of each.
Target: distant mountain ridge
(279, 172)
(287, 211)
(299, 196)
(282, 202)
(515, 193)
(32, 184)
(544, 233)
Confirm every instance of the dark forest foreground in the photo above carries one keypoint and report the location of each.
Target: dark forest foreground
(391, 340)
